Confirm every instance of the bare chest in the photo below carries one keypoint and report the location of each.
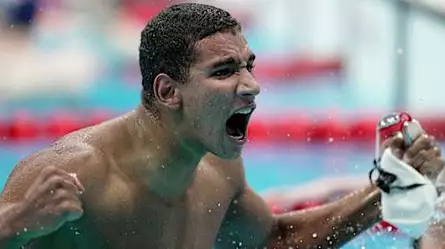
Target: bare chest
(147, 222)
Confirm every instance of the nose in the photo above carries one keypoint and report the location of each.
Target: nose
(248, 87)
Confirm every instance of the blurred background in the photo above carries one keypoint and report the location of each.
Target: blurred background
(329, 70)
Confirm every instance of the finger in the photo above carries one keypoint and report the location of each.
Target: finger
(422, 157)
(77, 182)
(395, 142)
(72, 178)
(45, 173)
(70, 210)
(437, 151)
(432, 168)
(40, 184)
(421, 143)
(62, 195)
(57, 182)
(49, 171)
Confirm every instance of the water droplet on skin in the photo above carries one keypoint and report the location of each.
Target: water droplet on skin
(219, 204)
(314, 235)
(210, 210)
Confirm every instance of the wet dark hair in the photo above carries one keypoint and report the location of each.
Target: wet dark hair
(168, 41)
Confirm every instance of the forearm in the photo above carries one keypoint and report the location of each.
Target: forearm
(9, 228)
(434, 238)
(329, 226)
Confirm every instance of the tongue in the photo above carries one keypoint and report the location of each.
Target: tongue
(234, 132)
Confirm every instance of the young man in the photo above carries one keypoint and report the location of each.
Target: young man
(169, 174)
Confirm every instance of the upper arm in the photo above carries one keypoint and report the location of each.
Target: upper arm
(248, 221)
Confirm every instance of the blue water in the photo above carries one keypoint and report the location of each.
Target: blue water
(269, 166)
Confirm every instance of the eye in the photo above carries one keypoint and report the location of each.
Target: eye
(223, 73)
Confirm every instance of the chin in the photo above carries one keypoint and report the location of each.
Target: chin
(230, 156)
(228, 153)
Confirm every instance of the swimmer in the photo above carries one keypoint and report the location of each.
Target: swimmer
(170, 173)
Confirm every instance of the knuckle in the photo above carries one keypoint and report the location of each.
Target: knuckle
(61, 194)
(424, 154)
(66, 196)
(54, 182)
(437, 151)
(410, 153)
(423, 142)
(70, 207)
(432, 139)
(55, 179)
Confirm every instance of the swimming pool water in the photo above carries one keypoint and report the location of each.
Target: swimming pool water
(276, 165)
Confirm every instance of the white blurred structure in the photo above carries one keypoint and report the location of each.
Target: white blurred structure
(387, 45)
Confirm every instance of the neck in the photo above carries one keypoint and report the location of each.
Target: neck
(167, 159)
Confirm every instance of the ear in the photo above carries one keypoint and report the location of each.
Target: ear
(166, 91)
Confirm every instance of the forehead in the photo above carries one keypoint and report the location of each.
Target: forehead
(222, 45)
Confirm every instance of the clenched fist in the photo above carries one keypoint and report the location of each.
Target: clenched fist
(51, 200)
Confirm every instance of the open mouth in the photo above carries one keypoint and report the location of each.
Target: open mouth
(236, 125)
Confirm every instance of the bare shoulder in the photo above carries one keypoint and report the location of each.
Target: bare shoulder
(232, 170)
(71, 156)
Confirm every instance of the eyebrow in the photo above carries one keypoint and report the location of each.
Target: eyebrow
(231, 60)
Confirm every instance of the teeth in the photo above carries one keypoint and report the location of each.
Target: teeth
(244, 111)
